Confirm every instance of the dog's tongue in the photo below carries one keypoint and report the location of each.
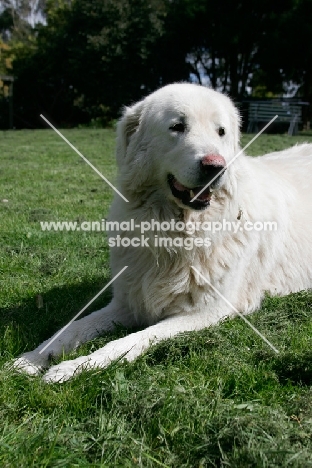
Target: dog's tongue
(179, 186)
(204, 196)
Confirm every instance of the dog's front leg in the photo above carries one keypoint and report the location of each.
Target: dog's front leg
(70, 337)
(132, 345)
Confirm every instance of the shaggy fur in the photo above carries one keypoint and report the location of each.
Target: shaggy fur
(170, 132)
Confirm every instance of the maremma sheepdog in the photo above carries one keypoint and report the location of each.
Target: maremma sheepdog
(176, 154)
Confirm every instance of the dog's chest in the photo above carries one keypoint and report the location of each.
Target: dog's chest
(167, 284)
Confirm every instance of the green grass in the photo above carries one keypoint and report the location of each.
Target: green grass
(218, 398)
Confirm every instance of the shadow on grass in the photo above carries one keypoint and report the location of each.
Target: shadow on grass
(291, 367)
(36, 319)
(184, 346)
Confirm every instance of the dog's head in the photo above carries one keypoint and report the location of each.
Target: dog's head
(175, 142)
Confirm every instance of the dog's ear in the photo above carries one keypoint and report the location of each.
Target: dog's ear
(126, 127)
(236, 123)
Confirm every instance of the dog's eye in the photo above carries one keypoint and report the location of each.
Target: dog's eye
(221, 131)
(178, 127)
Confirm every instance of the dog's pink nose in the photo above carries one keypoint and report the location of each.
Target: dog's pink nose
(215, 160)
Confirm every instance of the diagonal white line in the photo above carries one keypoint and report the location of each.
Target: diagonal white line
(84, 158)
(82, 310)
(235, 157)
(238, 313)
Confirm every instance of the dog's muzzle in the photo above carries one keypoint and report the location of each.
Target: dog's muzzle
(211, 169)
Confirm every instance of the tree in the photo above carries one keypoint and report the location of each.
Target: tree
(93, 56)
(287, 53)
(227, 37)
(90, 57)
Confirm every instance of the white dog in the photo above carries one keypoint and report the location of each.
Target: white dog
(169, 147)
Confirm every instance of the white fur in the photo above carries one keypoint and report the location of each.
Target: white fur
(159, 289)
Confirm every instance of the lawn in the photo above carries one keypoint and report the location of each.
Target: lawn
(218, 398)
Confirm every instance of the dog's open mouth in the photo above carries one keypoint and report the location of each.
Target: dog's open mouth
(186, 194)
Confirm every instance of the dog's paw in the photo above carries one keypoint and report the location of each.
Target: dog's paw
(65, 370)
(29, 364)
